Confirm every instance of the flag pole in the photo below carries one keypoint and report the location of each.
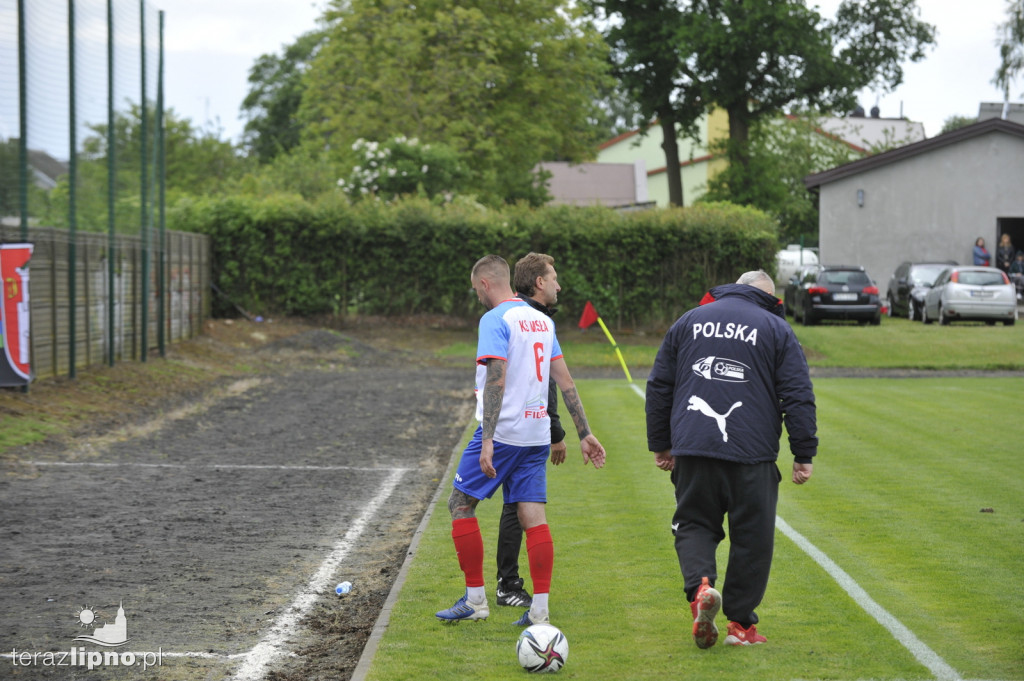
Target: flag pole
(590, 316)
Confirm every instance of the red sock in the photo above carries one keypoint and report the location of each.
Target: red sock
(542, 557)
(469, 546)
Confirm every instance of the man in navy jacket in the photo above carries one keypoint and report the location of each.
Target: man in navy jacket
(726, 376)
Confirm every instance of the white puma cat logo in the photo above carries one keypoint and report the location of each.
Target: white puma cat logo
(697, 404)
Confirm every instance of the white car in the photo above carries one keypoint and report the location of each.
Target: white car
(968, 293)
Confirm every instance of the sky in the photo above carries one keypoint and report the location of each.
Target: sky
(211, 46)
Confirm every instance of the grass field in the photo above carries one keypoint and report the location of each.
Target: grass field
(895, 344)
(904, 470)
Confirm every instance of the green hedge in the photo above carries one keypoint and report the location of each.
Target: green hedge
(282, 255)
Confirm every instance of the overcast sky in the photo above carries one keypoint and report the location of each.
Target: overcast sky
(210, 47)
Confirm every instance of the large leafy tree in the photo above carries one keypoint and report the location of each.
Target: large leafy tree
(755, 58)
(648, 60)
(505, 85)
(1011, 47)
(275, 93)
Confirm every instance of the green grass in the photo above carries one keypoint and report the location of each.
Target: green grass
(904, 468)
(895, 344)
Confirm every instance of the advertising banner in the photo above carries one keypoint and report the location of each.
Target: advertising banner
(14, 321)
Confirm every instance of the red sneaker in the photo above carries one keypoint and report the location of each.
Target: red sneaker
(738, 636)
(705, 606)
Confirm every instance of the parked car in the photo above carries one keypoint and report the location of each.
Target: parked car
(968, 293)
(908, 284)
(789, 292)
(837, 292)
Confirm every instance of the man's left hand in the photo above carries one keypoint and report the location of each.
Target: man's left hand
(592, 451)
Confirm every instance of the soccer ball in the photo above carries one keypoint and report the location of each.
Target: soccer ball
(542, 649)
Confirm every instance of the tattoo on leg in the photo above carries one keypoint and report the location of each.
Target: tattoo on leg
(461, 505)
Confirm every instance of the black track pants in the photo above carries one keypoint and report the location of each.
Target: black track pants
(708, 490)
(510, 540)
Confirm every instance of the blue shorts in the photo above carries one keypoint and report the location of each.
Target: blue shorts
(522, 471)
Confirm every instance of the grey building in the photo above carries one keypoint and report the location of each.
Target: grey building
(925, 201)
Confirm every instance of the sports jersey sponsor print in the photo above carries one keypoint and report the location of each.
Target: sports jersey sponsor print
(721, 369)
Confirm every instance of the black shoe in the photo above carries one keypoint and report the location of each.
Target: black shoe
(516, 596)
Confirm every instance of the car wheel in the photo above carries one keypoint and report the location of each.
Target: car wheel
(808, 318)
(875, 321)
(943, 319)
(1008, 322)
(888, 309)
(924, 315)
(910, 310)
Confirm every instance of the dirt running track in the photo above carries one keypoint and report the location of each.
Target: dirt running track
(209, 523)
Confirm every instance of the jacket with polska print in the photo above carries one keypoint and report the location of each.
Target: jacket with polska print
(726, 377)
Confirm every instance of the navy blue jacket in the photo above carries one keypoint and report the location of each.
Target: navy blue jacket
(726, 376)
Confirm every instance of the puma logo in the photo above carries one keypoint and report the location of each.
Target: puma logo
(697, 404)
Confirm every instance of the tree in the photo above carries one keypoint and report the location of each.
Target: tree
(197, 163)
(275, 93)
(955, 122)
(1011, 47)
(506, 85)
(647, 59)
(783, 150)
(754, 59)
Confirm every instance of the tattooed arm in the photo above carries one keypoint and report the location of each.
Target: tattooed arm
(494, 395)
(592, 449)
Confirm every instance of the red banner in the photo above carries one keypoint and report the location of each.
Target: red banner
(14, 320)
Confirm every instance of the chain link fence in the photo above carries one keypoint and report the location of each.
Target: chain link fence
(82, 178)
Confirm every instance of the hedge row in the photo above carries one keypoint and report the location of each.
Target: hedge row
(282, 255)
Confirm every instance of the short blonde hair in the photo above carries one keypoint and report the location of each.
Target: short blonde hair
(528, 268)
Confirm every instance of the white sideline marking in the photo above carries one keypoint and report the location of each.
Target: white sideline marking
(283, 467)
(272, 646)
(925, 655)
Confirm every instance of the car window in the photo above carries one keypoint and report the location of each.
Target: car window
(981, 278)
(925, 274)
(810, 277)
(847, 277)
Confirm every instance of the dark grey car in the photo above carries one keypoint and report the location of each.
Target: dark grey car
(908, 286)
(837, 292)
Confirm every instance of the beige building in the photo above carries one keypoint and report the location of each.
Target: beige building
(925, 201)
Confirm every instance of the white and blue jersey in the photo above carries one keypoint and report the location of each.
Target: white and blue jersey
(525, 338)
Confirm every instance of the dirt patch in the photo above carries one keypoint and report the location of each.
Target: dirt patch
(206, 488)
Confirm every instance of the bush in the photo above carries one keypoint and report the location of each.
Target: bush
(283, 255)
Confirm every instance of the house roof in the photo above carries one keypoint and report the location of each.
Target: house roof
(923, 147)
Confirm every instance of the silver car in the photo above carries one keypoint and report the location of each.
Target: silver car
(967, 293)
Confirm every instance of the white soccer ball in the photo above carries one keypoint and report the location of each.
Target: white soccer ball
(542, 649)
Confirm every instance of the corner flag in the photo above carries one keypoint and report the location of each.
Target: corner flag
(587, 320)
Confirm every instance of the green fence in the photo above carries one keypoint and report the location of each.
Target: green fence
(81, 149)
(55, 297)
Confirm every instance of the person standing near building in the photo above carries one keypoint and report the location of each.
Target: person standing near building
(981, 255)
(726, 377)
(536, 282)
(517, 354)
(1005, 253)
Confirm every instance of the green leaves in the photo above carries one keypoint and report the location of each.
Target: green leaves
(281, 255)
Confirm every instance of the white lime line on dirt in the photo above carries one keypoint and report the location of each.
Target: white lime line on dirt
(281, 467)
(273, 645)
(921, 652)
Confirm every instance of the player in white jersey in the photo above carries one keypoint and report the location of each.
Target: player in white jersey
(517, 354)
